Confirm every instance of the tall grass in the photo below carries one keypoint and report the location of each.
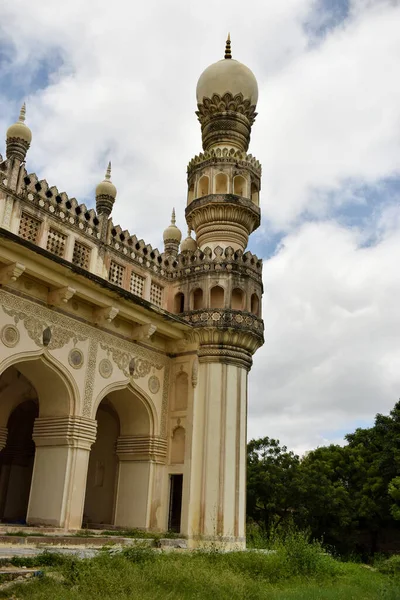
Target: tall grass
(295, 570)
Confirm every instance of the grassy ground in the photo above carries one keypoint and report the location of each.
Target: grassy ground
(297, 571)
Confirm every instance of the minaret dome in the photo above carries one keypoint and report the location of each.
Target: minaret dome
(227, 75)
(19, 137)
(106, 192)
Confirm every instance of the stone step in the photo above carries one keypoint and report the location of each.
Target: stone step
(66, 541)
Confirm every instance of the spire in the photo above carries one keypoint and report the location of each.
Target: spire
(228, 47)
(173, 219)
(108, 172)
(22, 113)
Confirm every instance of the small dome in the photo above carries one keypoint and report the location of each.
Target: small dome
(105, 187)
(227, 75)
(172, 232)
(19, 129)
(189, 244)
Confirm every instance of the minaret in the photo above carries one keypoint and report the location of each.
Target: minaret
(172, 237)
(106, 192)
(224, 182)
(223, 299)
(19, 137)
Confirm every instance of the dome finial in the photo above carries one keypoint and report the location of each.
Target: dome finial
(173, 219)
(22, 113)
(228, 47)
(108, 172)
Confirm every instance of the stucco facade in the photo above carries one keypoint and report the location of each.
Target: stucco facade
(123, 370)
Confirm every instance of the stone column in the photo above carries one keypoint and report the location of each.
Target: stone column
(59, 474)
(138, 456)
(218, 470)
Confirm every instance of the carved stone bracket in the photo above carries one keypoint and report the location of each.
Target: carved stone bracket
(11, 272)
(101, 316)
(143, 332)
(60, 296)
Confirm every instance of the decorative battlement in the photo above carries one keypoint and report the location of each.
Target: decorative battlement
(224, 155)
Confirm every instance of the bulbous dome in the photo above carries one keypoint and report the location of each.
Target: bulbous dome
(105, 187)
(227, 75)
(19, 129)
(172, 232)
(189, 244)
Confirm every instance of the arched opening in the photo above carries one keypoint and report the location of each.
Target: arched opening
(190, 193)
(237, 300)
(179, 303)
(34, 475)
(221, 183)
(197, 299)
(255, 194)
(181, 391)
(217, 297)
(118, 482)
(203, 186)
(240, 186)
(255, 305)
(102, 469)
(178, 446)
(16, 463)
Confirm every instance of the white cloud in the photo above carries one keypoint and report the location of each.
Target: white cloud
(332, 356)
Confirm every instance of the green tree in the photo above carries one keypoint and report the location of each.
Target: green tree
(272, 482)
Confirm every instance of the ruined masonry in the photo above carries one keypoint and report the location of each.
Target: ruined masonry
(123, 387)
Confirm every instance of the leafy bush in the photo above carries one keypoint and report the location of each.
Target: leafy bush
(391, 566)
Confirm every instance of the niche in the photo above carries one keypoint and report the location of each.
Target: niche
(217, 297)
(190, 194)
(181, 391)
(179, 303)
(178, 446)
(197, 299)
(254, 194)
(255, 305)
(239, 186)
(237, 299)
(221, 183)
(203, 186)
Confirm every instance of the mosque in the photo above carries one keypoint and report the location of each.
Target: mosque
(123, 369)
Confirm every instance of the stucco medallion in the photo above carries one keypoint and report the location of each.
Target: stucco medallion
(75, 358)
(154, 384)
(9, 336)
(105, 368)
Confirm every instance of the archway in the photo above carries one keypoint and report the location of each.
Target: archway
(119, 472)
(102, 469)
(239, 186)
(255, 305)
(179, 303)
(16, 463)
(34, 478)
(221, 183)
(197, 299)
(237, 302)
(217, 297)
(203, 186)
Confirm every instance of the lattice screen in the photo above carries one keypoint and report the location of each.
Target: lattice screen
(29, 227)
(156, 293)
(116, 273)
(81, 255)
(56, 242)
(137, 284)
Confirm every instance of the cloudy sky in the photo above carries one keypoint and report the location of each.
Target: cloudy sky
(116, 80)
